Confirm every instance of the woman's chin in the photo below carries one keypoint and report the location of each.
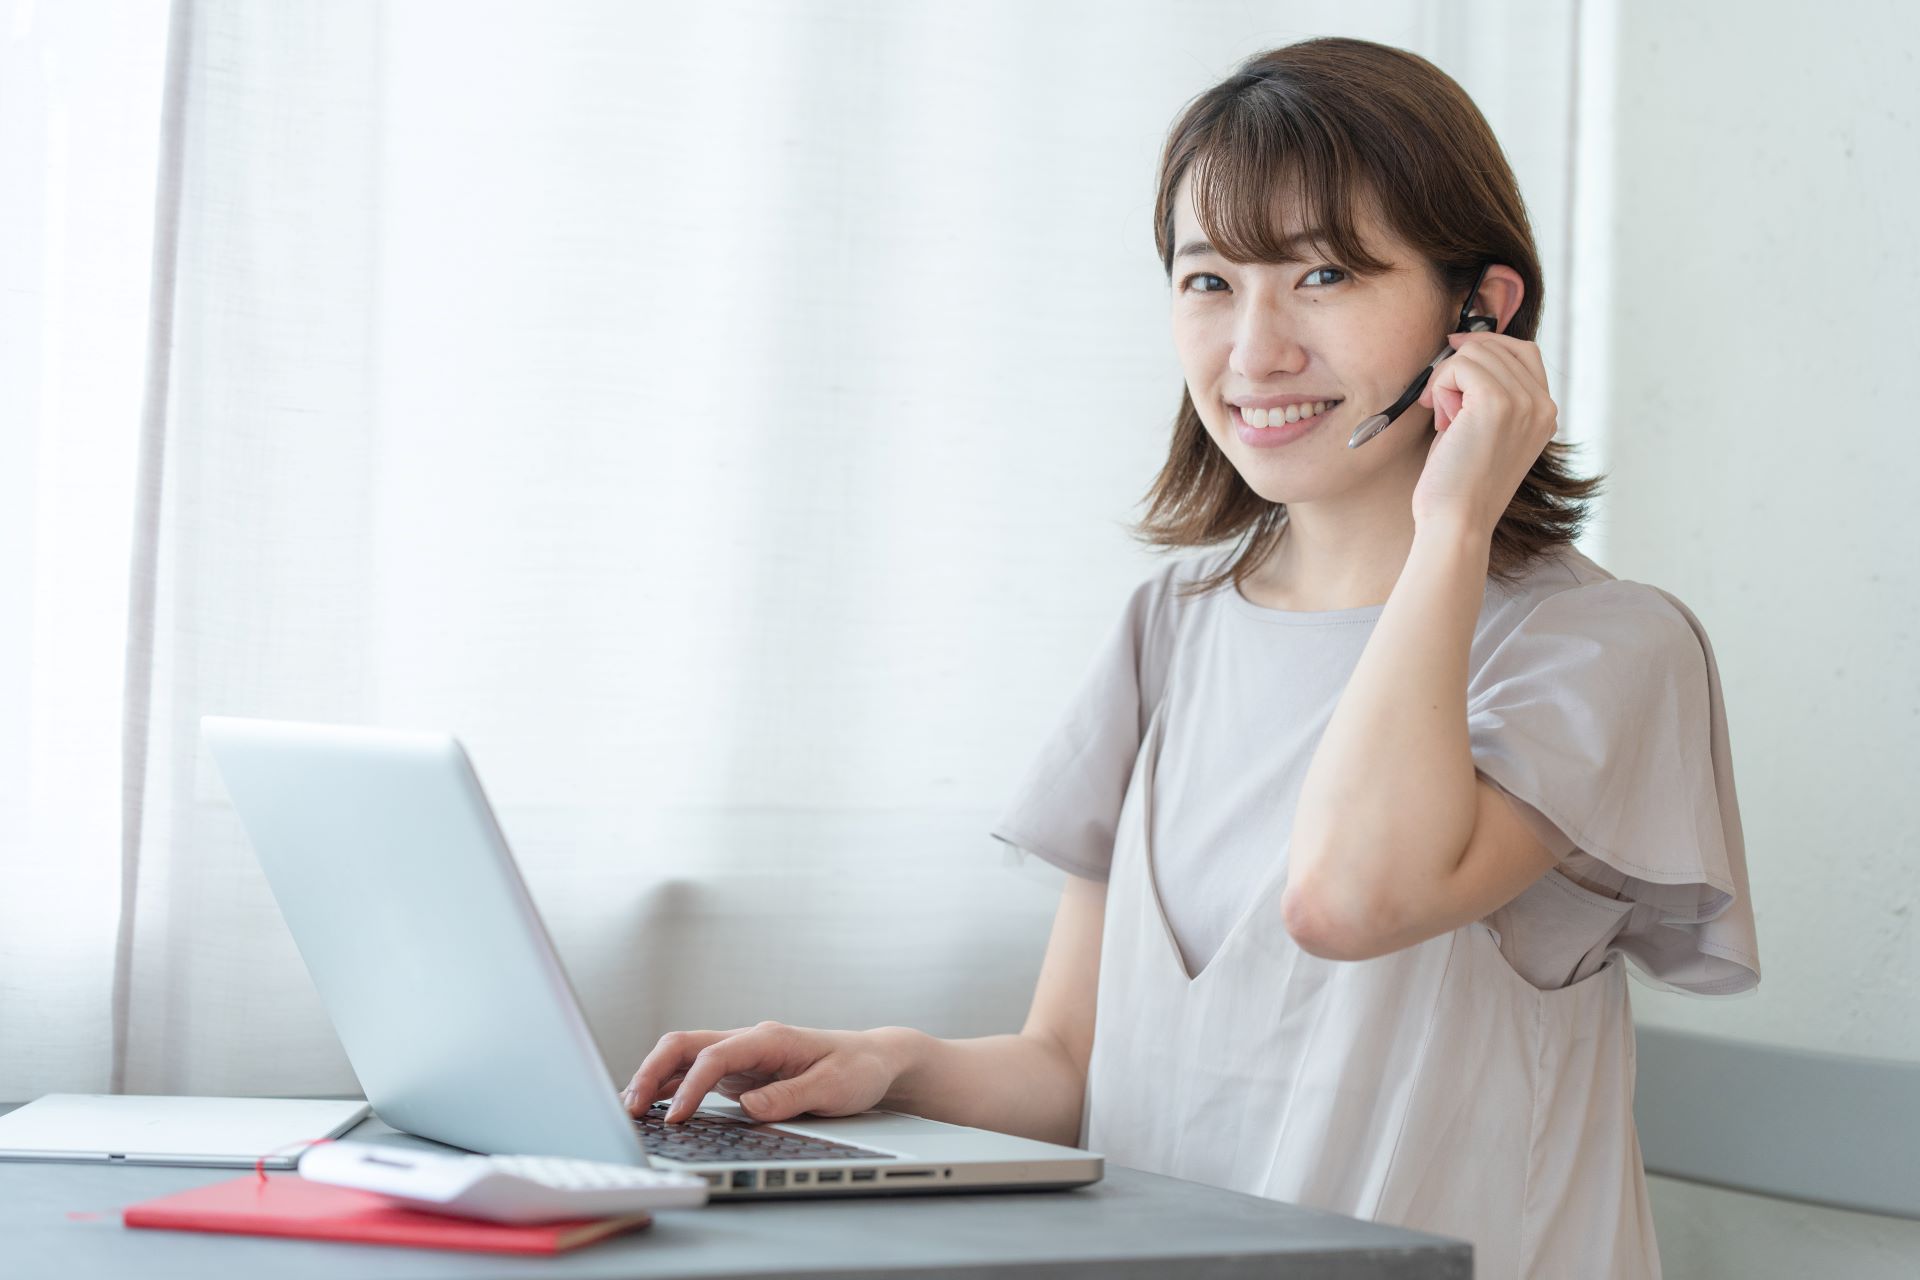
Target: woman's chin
(1287, 482)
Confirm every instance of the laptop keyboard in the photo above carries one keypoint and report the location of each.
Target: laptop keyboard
(708, 1138)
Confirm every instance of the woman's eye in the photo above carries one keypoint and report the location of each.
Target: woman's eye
(1187, 284)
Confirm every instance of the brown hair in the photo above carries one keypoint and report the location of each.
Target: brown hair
(1338, 120)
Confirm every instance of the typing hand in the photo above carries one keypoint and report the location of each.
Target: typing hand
(774, 1071)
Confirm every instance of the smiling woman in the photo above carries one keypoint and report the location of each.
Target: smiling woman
(1349, 169)
(1386, 787)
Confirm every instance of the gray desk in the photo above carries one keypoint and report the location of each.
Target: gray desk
(1127, 1225)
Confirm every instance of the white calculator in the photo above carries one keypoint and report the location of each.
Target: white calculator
(501, 1188)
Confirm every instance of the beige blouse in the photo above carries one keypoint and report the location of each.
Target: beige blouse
(1478, 1084)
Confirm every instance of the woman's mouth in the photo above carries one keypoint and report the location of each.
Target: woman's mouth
(1264, 428)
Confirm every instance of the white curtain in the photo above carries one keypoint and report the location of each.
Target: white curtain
(722, 417)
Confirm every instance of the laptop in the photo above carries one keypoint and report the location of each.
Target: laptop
(456, 1015)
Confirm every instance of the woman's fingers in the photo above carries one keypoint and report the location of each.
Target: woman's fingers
(767, 1050)
(742, 1082)
(773, 1071)
(1486, 369)
(662, 1070)
(769, 1066)
(783, 1099)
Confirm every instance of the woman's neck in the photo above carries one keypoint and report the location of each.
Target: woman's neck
(1347, 557)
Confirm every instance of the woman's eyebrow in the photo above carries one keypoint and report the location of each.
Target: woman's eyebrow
(1290, 246)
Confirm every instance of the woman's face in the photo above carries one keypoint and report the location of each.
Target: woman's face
(1306, 331)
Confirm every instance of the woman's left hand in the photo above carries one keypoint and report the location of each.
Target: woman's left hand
(1494, 418)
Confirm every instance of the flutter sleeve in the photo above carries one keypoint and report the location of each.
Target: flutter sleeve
(1066, 807)
(1601, 714)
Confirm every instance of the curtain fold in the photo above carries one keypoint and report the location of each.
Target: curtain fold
(263, 549)
(137, 693)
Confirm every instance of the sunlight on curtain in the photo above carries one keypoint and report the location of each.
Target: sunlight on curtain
(79, 128)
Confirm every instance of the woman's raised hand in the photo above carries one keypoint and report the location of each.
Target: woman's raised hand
(1494, 418)
(774, 1071)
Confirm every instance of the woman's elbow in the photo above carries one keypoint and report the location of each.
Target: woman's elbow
(1331, 922)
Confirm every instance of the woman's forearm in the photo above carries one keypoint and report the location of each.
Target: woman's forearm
(1389, 796)
(1014, 1084)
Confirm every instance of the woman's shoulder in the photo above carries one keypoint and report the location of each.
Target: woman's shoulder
(1173, 588)
(1566, 598)
(1166, 605)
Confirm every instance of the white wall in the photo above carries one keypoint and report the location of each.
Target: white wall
(1762, 278)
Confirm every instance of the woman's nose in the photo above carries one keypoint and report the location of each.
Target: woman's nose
(1264, 349)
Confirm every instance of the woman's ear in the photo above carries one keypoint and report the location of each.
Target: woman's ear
(1501, 290)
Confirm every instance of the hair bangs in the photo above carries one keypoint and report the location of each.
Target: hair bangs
(1269, 187)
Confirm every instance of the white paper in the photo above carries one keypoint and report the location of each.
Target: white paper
(155, 1129)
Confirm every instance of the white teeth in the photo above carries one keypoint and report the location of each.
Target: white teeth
(1292, 413)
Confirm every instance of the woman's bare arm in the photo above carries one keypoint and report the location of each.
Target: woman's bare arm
(1032, 1083)
(1029, 1084)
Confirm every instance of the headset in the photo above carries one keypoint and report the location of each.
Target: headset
(1468, 324)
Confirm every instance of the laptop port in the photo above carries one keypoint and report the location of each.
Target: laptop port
(909, 1173)
(743, 1180)
(801, 1175)
(774, 1178)
(861, 1175)
(831, 1175)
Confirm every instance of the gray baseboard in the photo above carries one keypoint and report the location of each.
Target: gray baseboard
(1824, 1128)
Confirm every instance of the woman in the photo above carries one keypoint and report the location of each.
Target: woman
(1364, 810)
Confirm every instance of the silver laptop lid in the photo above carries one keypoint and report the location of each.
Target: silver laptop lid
(414, 923)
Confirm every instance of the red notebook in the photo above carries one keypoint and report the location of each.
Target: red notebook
(288, 1205)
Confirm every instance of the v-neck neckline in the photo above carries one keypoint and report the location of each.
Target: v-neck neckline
(1265, 886)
